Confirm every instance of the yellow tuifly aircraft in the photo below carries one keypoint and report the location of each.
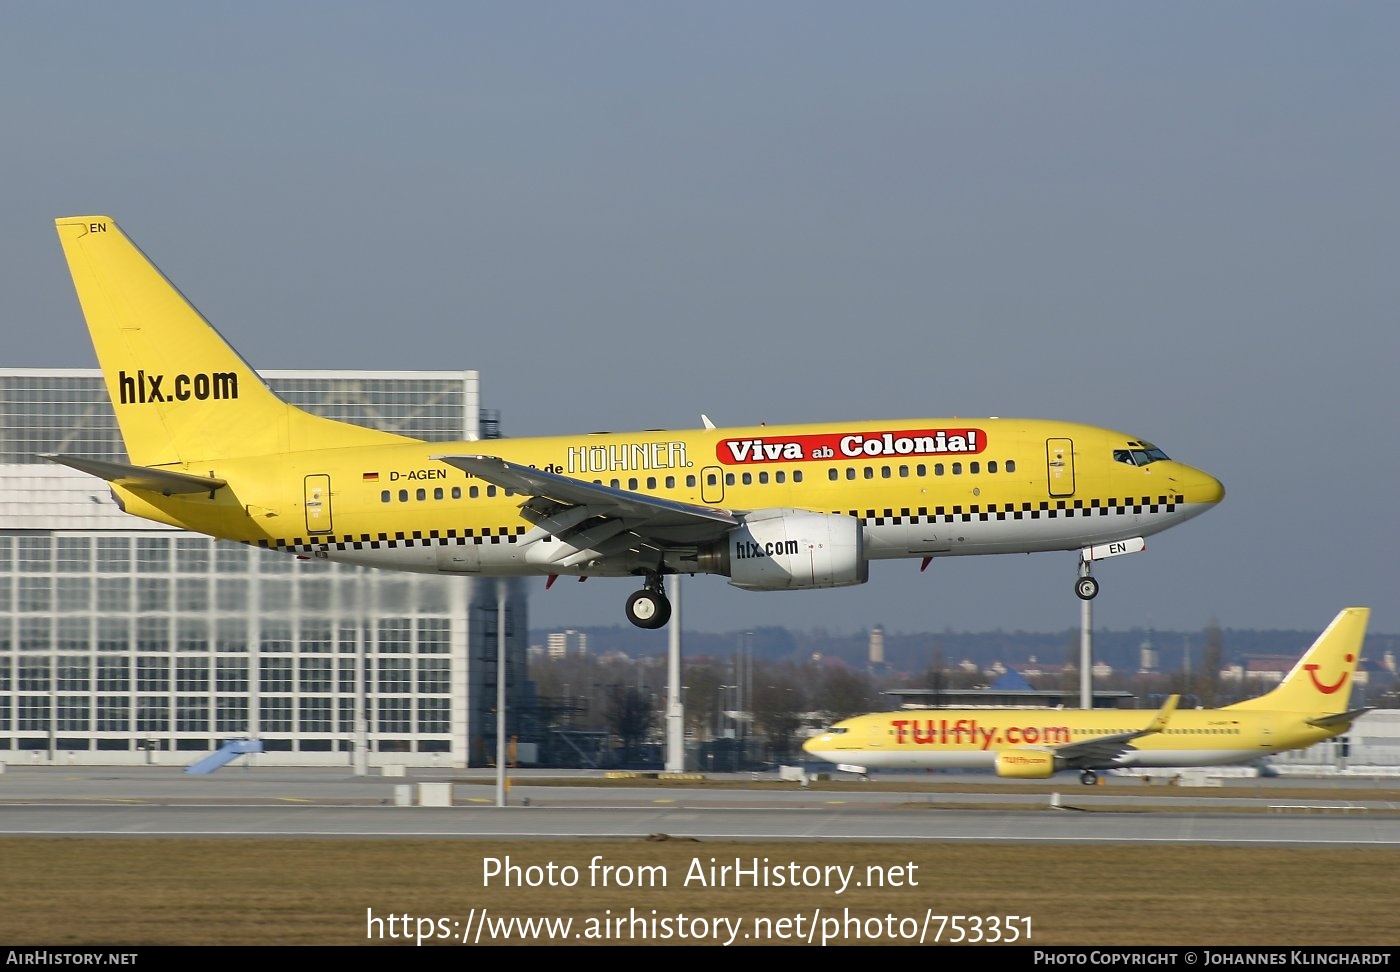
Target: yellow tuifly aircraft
(1308, 706)
(790, 507)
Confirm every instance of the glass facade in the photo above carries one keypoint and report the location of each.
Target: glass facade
(121, 637)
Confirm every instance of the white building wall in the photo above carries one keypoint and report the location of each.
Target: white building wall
(122, 641)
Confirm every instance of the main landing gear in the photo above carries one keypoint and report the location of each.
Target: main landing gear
(649, 607)
(1088, 777)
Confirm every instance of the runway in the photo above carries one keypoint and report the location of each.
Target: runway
(162, 802)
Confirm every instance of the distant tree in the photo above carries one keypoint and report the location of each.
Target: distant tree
(1208, 681)
(936, 677)
(841, 693)
(630, 715)
(777, 706)
(702, 682)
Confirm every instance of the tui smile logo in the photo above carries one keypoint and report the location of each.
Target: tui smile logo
(1327, 689)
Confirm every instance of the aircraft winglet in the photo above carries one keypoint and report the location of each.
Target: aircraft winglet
(1164, 714)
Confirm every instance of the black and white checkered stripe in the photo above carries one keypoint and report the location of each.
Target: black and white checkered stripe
(1044, 510)
(387, 541)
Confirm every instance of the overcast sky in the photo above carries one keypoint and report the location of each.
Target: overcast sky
(1178, 220)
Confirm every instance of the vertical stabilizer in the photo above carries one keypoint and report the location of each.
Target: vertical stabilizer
(180, 392)
(1321, 681)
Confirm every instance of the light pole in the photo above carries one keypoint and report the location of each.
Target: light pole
(675, 709)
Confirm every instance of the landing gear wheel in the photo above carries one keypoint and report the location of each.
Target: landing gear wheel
(1088, 777)
(648, 609)
(1086, 588)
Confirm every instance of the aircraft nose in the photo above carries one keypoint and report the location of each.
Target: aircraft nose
(1202, 487)
(1197, 488)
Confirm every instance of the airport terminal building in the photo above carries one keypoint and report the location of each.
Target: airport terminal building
(122, 641)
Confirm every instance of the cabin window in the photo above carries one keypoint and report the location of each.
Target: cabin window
(797, 475)
(729, 479)
(781, 477)
(651, 482)
(615, 483)
(884, 472)
(763, 477)
(1011, 465)
(670, 482)
(403, 496)
(690, 482)
(921, 470)
(903, 472)
(711, 479)
(974, 468)
(474, 492)
(957, 469)
(938, 469)
(456, 492)
(869, 472)
(490, 490)
(437, 493)
(832, 475)
(421, 494)
(992, 466)
(748, 479)
(384, 496)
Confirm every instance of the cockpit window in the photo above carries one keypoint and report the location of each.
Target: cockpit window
(1139, 454)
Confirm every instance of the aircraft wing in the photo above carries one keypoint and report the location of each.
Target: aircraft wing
(593, 519)
(165, 481)
(1105, 750)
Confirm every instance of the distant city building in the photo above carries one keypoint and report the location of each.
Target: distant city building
(1147, 656)
(562, 644)
(124, 641)
(876, 657)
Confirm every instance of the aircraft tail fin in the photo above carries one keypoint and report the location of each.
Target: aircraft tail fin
(1321, 681)
(180, 392)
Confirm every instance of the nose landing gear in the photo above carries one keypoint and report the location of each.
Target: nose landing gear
(1085, 587)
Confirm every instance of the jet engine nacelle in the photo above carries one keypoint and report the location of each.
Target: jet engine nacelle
(784, 549)
(1025, 764)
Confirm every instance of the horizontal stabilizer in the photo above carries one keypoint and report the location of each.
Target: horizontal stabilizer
(167, 482)
(1338, 719)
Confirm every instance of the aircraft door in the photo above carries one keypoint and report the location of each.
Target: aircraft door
(712, 485)
(1059, 460)
(318, 504)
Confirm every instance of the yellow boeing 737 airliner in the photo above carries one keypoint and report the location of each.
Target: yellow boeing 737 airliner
(1308, 706)
(214, 451)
